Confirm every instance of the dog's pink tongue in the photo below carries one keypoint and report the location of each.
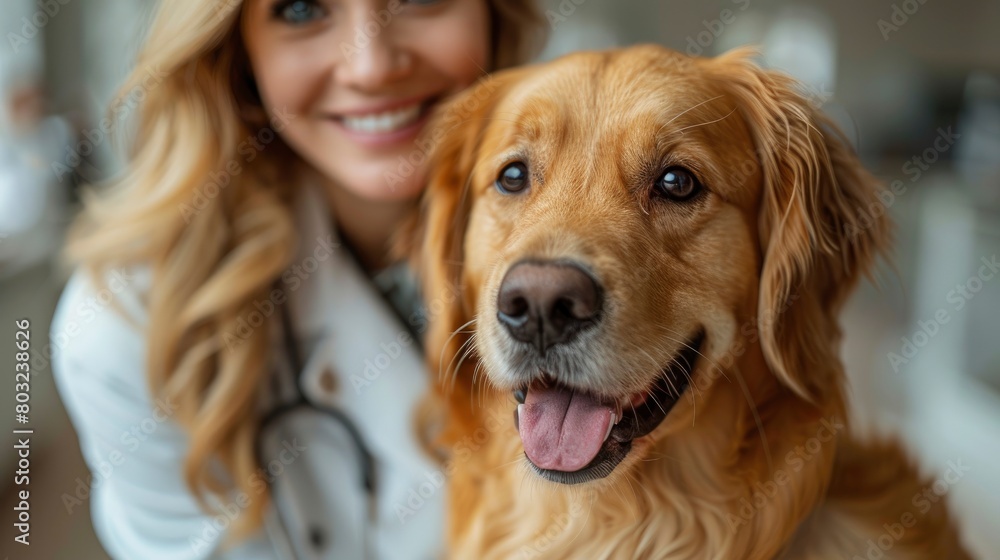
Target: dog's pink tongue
(562, 430)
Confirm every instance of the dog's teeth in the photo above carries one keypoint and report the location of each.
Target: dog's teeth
(611, 424)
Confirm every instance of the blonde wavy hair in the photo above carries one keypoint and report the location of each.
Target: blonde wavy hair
(213, 246)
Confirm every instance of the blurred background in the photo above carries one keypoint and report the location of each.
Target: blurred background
(914, 83)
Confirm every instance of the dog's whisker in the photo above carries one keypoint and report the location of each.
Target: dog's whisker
(657, 456)
(710, 361)
(460, 355)
(482, 387)
(448, 341)
(685, 344)
(476, 372)
(635, 497)
(694, 391)
(756, 416)
(652, 396)
(628, 478)
(463, 353)
(507, 464)
(685, 111)
(694, 395)
(525, 475)
(656, 364)
(681, 130)
(619, 492)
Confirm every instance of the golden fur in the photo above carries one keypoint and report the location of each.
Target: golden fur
(755, 460)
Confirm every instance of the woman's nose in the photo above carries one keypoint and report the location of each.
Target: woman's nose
(372, 59)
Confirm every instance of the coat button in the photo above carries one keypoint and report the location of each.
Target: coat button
(328, 381)
(316, 537)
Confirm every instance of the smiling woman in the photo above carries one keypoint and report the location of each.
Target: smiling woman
(365, 104)
(231, 318)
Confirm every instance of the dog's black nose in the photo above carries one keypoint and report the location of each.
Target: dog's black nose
(547, 303)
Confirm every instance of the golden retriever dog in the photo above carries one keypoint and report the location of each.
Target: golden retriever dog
(634, 262)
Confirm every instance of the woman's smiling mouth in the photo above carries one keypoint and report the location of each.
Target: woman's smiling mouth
(388, 121)
(388, 124)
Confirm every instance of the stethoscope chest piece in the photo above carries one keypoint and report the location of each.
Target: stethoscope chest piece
(294, 438)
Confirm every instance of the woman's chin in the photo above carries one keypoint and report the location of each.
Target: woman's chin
(380, 179)
(386, 186)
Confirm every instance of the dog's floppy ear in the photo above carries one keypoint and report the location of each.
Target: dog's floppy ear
(822, 224)
(437, 243)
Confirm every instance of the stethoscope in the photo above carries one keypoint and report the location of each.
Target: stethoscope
(302, 402)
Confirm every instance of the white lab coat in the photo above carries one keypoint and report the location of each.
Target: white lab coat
(140, 505)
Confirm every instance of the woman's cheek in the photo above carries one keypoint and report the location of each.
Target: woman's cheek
(295, 80)
(458, 46)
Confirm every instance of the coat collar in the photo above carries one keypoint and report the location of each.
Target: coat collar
(348, 335)
(311, 279)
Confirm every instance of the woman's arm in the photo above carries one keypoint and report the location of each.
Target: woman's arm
(140, 504)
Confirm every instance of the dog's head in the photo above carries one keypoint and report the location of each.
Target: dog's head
(616, 224)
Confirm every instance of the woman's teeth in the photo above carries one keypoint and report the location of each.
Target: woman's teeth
(388, 121)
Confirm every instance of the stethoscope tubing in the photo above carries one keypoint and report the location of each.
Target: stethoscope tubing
(366, 459)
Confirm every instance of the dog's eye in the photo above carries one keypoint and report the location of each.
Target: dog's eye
(513, 178)
(678, 184)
